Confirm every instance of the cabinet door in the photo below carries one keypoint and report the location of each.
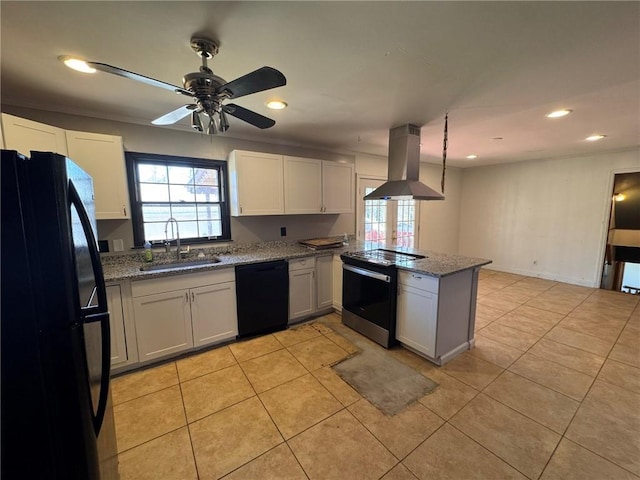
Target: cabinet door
(213, 313)
(337, 283)
(116, 323)
(302, 185)
(417, 316)
(256, 183)
(25, 135)
(324, 282)
(163, 324)
(337, 187)
(102, 157)
(301, 293)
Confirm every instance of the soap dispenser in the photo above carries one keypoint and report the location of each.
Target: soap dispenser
(345, 239)
(148, 254)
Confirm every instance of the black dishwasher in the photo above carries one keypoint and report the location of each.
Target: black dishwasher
(262, 292)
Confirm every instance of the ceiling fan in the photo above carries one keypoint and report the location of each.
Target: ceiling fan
(209, 91)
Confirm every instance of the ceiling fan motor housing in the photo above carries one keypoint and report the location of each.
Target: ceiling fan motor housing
(204, 85)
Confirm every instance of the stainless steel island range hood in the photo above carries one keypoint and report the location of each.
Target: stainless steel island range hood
(404, 168)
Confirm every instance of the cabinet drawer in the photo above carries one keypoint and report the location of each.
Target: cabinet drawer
(419, 281)
(302, 263)
(180, 282)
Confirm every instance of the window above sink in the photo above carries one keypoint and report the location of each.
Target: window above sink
(191, 190)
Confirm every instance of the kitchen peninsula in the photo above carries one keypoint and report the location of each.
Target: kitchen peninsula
(436, 298)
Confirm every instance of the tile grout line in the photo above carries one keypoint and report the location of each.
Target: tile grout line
(186, 419)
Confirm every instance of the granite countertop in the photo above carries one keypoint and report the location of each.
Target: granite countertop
(127, 266)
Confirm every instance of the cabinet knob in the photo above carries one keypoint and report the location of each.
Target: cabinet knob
(186, 297)
(124, 210)
(240, 208)
(193, 297)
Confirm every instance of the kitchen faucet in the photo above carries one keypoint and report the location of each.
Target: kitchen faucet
(167, 243)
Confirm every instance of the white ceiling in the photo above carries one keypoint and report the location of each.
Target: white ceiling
(354, 69)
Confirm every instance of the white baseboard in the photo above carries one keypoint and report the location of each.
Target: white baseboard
(544, 275)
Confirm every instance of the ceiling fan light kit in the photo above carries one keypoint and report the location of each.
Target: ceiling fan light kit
(207, 90)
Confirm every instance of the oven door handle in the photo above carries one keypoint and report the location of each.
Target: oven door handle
(367, 273)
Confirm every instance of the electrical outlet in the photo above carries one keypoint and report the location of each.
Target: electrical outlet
(118, 245)
(283, 231)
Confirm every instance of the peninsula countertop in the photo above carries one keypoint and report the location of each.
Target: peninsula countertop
(128, 266)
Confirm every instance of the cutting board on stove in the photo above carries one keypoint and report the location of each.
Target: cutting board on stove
(321, 243)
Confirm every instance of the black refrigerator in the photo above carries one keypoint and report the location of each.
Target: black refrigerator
(56, 413)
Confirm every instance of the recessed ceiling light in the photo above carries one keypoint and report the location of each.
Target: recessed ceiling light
(77, 64)
(471, 157)
(594, 138)
(559, 113)
(276, 104)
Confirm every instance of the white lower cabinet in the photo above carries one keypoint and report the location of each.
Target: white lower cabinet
(324, 282)
(337, 283)
(175, 314)
(163, 324)
(302, 288)
(417, 318)
(217, 300)
(117, 326)
(435, 315)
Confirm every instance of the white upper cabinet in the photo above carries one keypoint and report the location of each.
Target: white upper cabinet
(26, 136)
(302, 185)
(337, 187)
(256, 181)
(102, 157)
(266, 184)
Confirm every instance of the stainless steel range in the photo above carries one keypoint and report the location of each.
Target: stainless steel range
(369, 292)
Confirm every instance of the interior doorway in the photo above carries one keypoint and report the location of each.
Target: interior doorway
(621, 268)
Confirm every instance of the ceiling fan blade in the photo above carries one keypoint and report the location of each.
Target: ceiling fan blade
(103, 67)
(248, 116)
(176, 115)
(264, 78)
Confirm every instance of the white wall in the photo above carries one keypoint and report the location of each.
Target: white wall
(439, 220)
(543, 218)
(150, 139)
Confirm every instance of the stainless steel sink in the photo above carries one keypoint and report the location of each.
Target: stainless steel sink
(174, 265)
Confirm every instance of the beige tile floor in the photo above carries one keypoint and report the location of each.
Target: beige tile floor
(551, 391)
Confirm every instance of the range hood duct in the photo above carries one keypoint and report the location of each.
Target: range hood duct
(404, 168)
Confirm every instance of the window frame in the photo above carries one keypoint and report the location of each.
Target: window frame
(132, 161)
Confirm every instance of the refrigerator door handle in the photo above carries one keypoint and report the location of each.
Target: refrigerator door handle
(102, 315)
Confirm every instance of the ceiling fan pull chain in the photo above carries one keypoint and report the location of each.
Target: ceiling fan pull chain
(444, 150)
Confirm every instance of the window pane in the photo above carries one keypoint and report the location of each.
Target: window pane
(152, 173)
(209, 212)
(150, 192)
(206, 176)
(184, 211)
(180, 175)
(207, 194)
(154, 231)
(156, 213)
(188, 229)
(210, 229)
(182, 193)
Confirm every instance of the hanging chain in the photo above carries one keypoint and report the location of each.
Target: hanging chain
(444, 151)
